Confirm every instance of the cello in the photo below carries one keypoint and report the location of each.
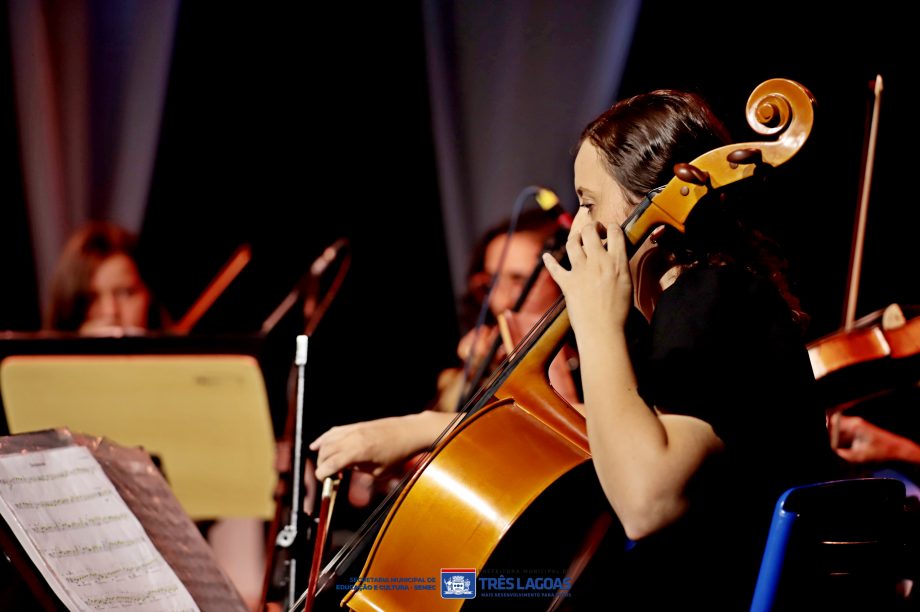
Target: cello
(479, 481)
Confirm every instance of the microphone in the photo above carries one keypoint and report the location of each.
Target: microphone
(549, 201)
(314, 305)
(307, 288)
(329, 255)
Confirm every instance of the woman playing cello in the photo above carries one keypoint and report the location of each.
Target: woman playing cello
(698, 409)
(698, 428)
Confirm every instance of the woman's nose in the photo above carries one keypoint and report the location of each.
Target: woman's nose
(108, 305)
(112, 309)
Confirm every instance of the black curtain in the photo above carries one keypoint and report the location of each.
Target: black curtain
(19, 302)
(285, 135)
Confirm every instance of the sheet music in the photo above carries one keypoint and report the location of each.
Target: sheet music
(82, 537)
(147, 494)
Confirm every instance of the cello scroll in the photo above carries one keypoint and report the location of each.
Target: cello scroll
(776, 106)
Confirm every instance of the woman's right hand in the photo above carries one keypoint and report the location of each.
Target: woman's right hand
(374, 446)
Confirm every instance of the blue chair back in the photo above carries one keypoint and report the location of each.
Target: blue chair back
(834, 545)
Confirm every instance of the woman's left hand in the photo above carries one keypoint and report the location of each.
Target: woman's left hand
(598, 289)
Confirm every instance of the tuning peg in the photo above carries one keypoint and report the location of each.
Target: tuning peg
(745, 156)
(691, 174)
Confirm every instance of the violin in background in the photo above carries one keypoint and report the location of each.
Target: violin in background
(878, 354)
(870, 366)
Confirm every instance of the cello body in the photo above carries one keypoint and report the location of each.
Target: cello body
(513, 448)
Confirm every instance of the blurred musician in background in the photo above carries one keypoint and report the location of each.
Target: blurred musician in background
(97, 287)
(377, 445)
(98, 290)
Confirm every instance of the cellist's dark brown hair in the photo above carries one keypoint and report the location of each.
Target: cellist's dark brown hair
(641, 138)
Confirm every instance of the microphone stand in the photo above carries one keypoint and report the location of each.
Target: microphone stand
(292, 537)
(288, 535)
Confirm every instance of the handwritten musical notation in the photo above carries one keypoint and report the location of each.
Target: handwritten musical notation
(82, 537)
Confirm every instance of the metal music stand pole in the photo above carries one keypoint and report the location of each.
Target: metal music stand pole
(288, 535)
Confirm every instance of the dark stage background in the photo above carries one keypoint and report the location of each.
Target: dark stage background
(276, 138)
(726, 50)
(288, 126)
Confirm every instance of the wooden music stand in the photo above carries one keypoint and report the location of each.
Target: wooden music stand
(206, 418)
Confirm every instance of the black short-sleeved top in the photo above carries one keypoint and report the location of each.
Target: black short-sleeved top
(722, 347)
